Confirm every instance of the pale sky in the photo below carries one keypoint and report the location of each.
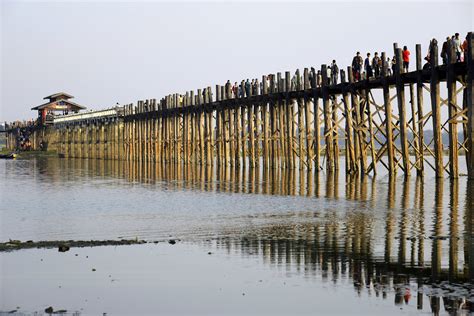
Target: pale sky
(115, 51)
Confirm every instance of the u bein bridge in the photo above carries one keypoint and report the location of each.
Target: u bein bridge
(302, 125)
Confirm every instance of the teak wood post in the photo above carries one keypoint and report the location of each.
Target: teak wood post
(388, 117)
(371, 132)
(335, 132)
(251, 132)
(256, 129)
(281, 122)
(419, 104)
(307, 117)
(436, 111)
(218, 127)
(237, 129)
(265, 123)
(301, 129)
(327, 121)
(288, 121)
(470, 104)
(200, 126)
(273, 125)
(401, 111)
(350, 165)
(317, 128)
(243, 126)
(452, 111)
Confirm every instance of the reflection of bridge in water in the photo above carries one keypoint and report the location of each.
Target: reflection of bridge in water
(384, 235)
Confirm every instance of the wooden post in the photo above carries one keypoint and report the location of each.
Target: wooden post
(388, 117)
(301, 129)
(317, 127)
(327, 121)
(307, 127)
(470, 104)
(402, 112)
(251, 132)
(350, 158)
(436, 112)
(419, 104)
(265, 123)
(281, 122)
(452, 111)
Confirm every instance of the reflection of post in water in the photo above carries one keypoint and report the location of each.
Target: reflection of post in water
(453, 229)
(329, 184)
(390, 219)
(469, 230)
(403, 221)
(420, 209)
(437, 229)
(309, 183)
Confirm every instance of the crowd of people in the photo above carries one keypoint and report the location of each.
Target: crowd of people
(362, 69)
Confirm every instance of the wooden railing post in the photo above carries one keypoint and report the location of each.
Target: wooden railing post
(470, 104)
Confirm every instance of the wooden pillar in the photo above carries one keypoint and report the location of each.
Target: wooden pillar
(388, 117)
(243, 127)
(436, 111)
(350, 158)
(401, 111)
(307, 117)
(419, 104)
(452, 112)
(327, 121)
(317, 127)
(251, 132)
(265, 122)
(470, 104)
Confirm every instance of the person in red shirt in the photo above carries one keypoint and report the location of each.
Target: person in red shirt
(406, 58)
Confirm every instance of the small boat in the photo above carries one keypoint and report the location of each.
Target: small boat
(8, 156)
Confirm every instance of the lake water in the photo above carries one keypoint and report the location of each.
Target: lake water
(280, 242)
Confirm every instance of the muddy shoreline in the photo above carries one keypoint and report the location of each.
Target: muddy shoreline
(65, 245)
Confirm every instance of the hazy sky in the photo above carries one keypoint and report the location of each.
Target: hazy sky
(114, 51)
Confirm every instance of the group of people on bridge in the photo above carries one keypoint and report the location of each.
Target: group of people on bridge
(362, 69)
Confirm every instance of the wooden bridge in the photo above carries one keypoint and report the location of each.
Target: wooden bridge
(300, 124)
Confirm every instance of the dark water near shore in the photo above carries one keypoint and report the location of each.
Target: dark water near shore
(282, 242)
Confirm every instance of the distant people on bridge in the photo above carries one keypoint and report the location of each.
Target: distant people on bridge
(228, 89)
(334, 72)
(357, 66)
(312, 77)
(464, 49)
(393, 64)
(457, 47)
(319, 78)
(444, 51)
(376, 64)
(328, 74)
(368, 67)
(389, 66)
(255, 87)
(406, 58)
(247, 88)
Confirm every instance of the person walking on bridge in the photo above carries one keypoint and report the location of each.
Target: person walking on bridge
(406, 58)
(368, 67)
(457, 47)
(247, 88)
(376, 64)
(357, 66)
(334, 72)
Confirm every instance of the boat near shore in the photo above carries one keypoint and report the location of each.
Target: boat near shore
(8, 156)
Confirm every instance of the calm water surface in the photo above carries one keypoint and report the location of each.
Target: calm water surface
(281, 242)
